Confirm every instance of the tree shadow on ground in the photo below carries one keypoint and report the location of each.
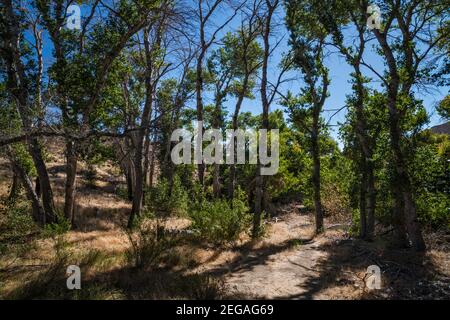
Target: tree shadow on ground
(249, 257)
(121, 283)
(405, 274)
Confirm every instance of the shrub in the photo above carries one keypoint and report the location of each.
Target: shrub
(57, 232)
(218, 221)
(202, 287)
(150, 243)
(433, 209)
(165, 201)
(16, 227)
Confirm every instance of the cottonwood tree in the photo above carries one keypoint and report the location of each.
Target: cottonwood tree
(171, 101)
(221, 75)
(17, 154)
(233, 68)
(307, 40)
(83, 60)
(24, 86)
(268, 91)
(410, 33)
(245, 58)
(335, 16)
(156, 48)
(204, 13)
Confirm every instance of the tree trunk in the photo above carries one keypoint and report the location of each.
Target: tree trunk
(146, 167)
(138, 185)
(316, 173)
(371, 201)
(37, 210)
(398, 218)
(232, 182)
(404, 197)
(362, 201)
(152, 167)
(256, 232)
(71, 174)
(402, 182)
(44, 180)
(199, 98)
(15, 186)
(216, 180)
(37, 187)
(19, 86)
(259, 183)
(144, 129)
(129, 178)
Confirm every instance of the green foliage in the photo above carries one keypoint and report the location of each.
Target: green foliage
(16, 227)
(337, 177)
(431, 178)
(218, 221)
(434, 209)
(57, 232)
(165, 200)
(444, 108)
(58, 228)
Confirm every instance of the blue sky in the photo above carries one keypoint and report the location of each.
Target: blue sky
(339, 75)
(339, 87)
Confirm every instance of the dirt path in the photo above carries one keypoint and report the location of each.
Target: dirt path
(286, 264)
(280, 274)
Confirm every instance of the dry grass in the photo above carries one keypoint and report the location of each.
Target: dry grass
(285, 263)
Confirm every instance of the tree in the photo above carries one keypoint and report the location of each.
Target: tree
(234, 68)
(245, 60)
(408, 37)
(268, 92)
(83, 60)
(308, 56)
(154, 67)
(443, 108)
(345, 13)
(20, 87)
(206, 9)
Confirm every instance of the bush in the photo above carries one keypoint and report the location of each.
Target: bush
(433, 209)
(217, 221)
(150, 243)
(16, 227)
(202, 287)
(165, 201)
(57, 232)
